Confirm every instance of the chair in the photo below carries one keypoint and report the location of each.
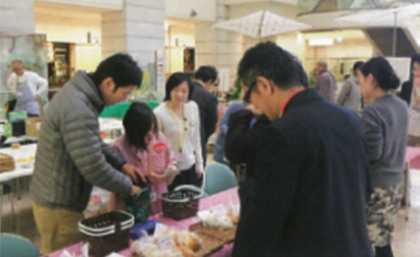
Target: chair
(16, 246)
(218, 178)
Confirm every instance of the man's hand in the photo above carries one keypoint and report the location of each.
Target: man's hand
(132, 172)
(257, 112)
(135, 190)
(199, 171)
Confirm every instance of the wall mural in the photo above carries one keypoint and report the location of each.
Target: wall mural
(31, 50)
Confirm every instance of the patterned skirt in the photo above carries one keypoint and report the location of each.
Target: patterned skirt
(382, 211)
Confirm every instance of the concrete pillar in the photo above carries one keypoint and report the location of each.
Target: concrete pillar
(138, 30)
(220, 48)
(17, 17)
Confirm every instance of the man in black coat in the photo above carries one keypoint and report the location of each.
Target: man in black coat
(207, 102)
(311, 174)
(243, 136)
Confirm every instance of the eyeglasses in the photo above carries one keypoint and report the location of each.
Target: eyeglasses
(247, 97)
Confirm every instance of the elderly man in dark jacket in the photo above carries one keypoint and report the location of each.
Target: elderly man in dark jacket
(207, 103)
(71, 156)
(326, 84)
(310, 170)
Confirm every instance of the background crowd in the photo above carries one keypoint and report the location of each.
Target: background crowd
(303, 150)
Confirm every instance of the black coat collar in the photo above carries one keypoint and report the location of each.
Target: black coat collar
(304, 97)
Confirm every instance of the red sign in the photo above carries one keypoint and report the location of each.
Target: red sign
(159, 147)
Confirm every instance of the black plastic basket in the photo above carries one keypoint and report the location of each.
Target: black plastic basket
(108, 232)
(182, 202)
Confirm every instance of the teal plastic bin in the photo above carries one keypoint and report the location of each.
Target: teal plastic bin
(118, 110)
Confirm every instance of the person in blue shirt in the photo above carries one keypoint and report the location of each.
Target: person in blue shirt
(219, 148)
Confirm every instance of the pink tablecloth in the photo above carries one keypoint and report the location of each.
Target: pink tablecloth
(412, 156)
(224, 198)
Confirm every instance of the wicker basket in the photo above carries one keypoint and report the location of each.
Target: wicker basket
(108, 232)
(182, 202)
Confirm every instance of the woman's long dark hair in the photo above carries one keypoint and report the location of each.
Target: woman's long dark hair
(138, 121)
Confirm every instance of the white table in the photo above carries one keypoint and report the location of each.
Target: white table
(108, 124)
(21, 170)
(27, 151)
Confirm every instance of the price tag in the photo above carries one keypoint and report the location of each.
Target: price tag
(159, 229)
(219, 209)
(166, 243)
(153, 197)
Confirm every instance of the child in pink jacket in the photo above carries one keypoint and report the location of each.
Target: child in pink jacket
(145, 147)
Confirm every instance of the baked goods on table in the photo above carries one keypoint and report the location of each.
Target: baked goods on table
(220, 217)
(167, 242)
(15, 146)
(6, 162)
(218, 223)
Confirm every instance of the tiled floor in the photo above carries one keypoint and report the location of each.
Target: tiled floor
(406, 242)
(407, 237)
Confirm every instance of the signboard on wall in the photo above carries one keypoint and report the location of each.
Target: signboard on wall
(224, 79)
(160, 72)
(401, 67)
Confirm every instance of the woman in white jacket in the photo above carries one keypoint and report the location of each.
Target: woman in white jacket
(178, 119)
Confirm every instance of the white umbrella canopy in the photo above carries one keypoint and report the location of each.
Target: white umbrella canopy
(261, 24)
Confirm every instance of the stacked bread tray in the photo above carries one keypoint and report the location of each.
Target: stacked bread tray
(6, 162)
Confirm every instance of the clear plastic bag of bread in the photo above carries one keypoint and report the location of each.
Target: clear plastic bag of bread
(188, 240)
(220, 217)
(167, 242)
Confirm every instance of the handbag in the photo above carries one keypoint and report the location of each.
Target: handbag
(139, 204)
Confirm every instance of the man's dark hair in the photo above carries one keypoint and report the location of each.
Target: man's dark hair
(357, 65)
(175, 80)
(272, 62)
(415, 58)
(303, 77)
(206, 73)
(137, 122)
(121, 68)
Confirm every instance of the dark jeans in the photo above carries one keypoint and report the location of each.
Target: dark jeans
(385, 251)
(32, 114)
(185, 177)
(204, 153)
